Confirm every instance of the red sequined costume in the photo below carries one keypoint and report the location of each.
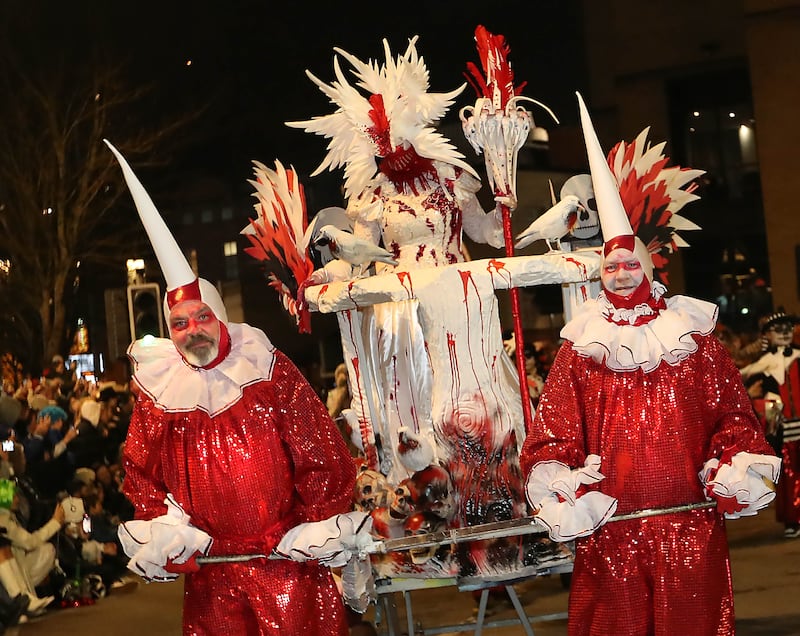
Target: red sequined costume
(653, 426)
(249, 451)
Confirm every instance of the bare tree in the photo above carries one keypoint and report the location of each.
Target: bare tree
(59, 183)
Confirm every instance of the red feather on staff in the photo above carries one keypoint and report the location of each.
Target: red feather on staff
(498, 82)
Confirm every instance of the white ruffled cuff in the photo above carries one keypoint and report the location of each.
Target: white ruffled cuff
(746, 478)
(552, 489)
(151, 543)
(332, 542)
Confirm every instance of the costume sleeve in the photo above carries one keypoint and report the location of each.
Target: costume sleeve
(480, 226)
(21, 538)
(557, 430)
(324, 470)
(143, 484)
(737, 428)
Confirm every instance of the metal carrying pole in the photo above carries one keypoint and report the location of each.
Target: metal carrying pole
(481, 532)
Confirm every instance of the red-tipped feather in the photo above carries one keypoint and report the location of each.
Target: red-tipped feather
(276, 235)
(651, 194)
(497, 80)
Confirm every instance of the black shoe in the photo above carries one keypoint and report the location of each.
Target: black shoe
(12, 610)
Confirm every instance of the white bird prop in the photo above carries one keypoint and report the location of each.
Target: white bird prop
(334, 216)
(358, 252)
(552, 225)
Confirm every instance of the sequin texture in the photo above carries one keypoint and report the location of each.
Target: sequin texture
(272, 460)
(654, 431)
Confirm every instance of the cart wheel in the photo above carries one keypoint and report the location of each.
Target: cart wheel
(566, 580)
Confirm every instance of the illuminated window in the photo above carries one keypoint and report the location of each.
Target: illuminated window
(231, 251)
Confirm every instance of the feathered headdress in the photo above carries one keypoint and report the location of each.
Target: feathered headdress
(277, 235)
(652, 195)
(381, 126)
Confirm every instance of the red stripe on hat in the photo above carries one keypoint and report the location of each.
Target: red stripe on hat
(623, 241)
(190, 291)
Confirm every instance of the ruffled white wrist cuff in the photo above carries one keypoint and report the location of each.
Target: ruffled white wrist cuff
(552, 490)
(151, 543)
(332, 542)
(746, 478)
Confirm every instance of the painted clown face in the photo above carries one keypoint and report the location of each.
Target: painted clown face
(622, 272)
(195, 330)
(780, 334)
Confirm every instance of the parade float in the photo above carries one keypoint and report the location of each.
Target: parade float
(438, 412)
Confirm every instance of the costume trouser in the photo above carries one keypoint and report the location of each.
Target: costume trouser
(16, 583)
(659, 576)
(36, 563)
(787, 490)
(264, 598)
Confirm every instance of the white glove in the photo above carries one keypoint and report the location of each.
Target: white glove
(152, 544)
(739, 486)
(332, 542)
(552, 490)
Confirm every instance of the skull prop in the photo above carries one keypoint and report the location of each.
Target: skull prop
(402, 504)
(384, 525)
(371, 490)
(588, 225)
(422, 523)
(434, 490)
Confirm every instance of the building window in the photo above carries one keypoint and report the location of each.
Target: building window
(188, 218)
(226, 214)
(231, 251)
(206, 216)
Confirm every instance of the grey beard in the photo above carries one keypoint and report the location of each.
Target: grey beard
(202, 359)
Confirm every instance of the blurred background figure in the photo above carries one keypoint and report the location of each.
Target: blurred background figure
(773, 383)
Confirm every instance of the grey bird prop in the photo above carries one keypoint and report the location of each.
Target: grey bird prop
(358, 252)
(552, 225)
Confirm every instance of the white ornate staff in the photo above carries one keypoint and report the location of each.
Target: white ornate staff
(498, 127)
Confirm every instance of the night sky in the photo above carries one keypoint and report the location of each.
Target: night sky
(249, 57)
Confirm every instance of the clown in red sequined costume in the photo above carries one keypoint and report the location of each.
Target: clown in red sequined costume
(644, 409)
(231, 452)
(264, 464)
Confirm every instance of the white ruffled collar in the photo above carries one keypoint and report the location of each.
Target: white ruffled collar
(176, 386)
(667, 337)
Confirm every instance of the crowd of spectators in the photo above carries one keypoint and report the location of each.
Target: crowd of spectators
(60, 492)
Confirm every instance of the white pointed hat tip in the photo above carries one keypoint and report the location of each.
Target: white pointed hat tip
(613, 218)
(174, 265)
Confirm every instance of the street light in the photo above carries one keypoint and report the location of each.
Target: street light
(134, 267)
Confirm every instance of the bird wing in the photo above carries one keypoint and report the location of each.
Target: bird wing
(277, 233)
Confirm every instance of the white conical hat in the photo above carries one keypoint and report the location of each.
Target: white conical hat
(182, 283)
(614, 221)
